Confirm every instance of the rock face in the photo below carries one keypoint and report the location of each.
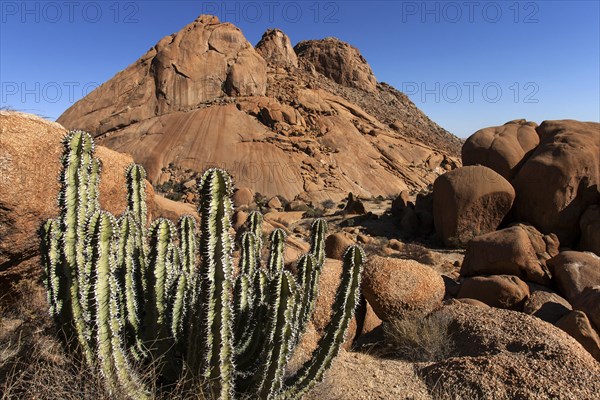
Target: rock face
(507, 355)
(573, 271)
(468, 202)
(501, 148)
(275, 47)
(590, 229)
(501, 291)
(205, 97)
(30, 151)
(560, 179)
(518, 250)
(398, 288)
(339, 61)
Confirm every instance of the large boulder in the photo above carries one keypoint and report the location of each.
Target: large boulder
(577, 324)
(275, 47)
(30, 152)
(560, 179)
(468, 202)
(339, 61)
(573, 271)
(398, 288)
(519, 250)
(590, 229)
(501, 148)
(500, 291)
(501, 354)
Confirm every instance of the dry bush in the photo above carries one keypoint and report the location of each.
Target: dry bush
(420, 340)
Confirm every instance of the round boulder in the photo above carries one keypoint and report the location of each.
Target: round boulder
(501, 148)
(573, 271)
(468, 202)
(398, 288)
(500, 291)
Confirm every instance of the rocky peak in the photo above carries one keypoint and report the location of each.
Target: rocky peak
(204, 61)
(338, 61)
(275, 47)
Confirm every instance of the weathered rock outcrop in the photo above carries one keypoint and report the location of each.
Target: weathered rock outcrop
(204, 97)
(560, 179)
(468, 202)
(275, 47)
(501, 148)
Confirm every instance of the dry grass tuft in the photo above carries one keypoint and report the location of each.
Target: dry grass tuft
(427, 339)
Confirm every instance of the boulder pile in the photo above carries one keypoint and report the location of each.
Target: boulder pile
(526, 208)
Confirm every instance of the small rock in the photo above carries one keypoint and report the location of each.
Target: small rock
(190, 184)
(395, 244)
(336, 245)
(275, 203)
(364, 239)
(354, 206)
(243, 197)
(239, 219)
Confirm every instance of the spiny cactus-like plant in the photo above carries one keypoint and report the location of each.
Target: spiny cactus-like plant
(168, 296)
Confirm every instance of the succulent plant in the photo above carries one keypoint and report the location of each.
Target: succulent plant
(168, 295)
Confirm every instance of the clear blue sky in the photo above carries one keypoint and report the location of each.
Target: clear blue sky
(465, 64)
